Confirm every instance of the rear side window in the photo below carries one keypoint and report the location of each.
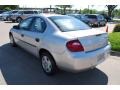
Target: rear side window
(67, 23)
(39, 25)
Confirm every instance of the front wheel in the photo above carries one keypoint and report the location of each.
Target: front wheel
(48, 63)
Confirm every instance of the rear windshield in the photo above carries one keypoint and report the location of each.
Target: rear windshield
(92, 16)
(67, 23)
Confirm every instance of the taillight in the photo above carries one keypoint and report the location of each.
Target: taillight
(74, 46)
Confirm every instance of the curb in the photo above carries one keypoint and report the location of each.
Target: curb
(115, 53)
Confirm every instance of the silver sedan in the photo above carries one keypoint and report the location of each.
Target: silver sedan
(62, 42)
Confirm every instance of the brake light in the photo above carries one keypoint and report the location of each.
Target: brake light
(74, 46)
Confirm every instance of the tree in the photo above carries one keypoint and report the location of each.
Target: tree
(89, 11)
(85, 11)
(111, 9)
(8, 7)
(63, 8)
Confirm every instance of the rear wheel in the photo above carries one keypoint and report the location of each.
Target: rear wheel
(12, 41)
(48, 63)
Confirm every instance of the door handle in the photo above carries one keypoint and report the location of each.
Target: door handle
(37, 39)
(22, 35)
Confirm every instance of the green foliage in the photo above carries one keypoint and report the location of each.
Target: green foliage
(111, 9)
(8, 7)
(114, 39)
(116, 13)
(117, 28)
(88, 11)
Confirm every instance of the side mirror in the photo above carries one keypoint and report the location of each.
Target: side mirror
(16, 27)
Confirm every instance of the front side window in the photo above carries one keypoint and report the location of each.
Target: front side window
(25, 24)
(67, 23)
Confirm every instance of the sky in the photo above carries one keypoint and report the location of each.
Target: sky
(77, 4)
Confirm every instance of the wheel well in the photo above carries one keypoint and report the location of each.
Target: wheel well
(44, 50)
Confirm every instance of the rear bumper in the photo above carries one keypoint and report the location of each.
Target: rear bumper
(79, 61)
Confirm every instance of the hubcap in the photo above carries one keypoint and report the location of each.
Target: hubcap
(46, 63)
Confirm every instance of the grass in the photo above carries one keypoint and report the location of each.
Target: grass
(114, 39)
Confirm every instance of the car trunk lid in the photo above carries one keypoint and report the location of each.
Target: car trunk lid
(90, 39)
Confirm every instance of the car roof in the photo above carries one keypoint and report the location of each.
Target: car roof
(48, 15)
(28, 10)
(75, 14)
(93, 14)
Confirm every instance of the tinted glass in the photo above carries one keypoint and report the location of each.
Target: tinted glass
(67, 23)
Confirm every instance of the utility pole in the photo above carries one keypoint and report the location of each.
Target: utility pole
(88, 9)
(50, 7)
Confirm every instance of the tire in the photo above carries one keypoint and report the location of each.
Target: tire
(12, 41)
(19, 19)
(48, 64)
